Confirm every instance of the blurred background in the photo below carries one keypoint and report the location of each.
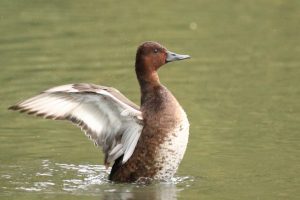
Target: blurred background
(241, 91)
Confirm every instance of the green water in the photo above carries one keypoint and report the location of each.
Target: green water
(241, 91)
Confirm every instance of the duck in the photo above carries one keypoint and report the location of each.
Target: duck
(146, 141)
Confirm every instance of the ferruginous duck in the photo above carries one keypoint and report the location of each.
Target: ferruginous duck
(141, 142)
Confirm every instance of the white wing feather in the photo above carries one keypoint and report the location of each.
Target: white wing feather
(103, 113)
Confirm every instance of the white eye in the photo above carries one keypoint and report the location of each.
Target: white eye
(155, 50)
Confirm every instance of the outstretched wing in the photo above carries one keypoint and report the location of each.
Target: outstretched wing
(105, 115)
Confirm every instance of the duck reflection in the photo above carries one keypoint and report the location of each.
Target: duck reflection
(153, 191)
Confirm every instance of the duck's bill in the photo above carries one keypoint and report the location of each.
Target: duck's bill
(174, 56)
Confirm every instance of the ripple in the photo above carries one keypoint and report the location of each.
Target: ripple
(51, 177)
(6, 176)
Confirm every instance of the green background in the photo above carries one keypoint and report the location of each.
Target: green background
(241, 91)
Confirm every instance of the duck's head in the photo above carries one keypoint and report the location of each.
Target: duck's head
(150, 56)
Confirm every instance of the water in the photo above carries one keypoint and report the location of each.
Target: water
(241, 91)
(82, 180)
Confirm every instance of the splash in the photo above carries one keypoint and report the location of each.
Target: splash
(51, 177)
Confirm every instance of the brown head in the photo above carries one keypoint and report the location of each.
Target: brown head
(150, 56)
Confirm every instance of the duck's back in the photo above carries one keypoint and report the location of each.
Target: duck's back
(162, 142)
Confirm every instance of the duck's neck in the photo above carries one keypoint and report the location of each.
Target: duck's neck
(148, 78)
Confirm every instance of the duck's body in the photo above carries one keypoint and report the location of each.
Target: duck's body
(162, 142)
(149, 141)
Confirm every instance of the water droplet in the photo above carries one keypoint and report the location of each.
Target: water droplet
(193, 26)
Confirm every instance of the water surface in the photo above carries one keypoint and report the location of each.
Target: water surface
(241, 91)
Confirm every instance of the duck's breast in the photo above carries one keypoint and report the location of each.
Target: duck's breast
(172, 149)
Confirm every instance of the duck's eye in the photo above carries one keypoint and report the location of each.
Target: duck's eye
(155, 50)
